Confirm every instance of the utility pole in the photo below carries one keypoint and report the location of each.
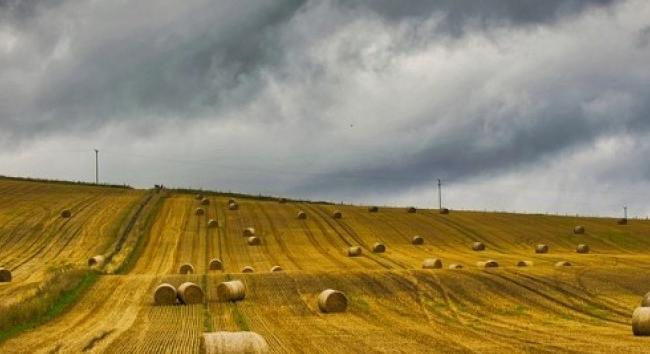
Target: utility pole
(439, 194)
(625, 212)
(96, 166)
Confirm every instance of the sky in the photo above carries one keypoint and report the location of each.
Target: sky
(516, 105)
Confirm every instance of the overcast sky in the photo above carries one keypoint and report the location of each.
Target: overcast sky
(520, 105)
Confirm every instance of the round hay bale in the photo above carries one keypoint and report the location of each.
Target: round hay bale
(190, 293)
(478, 246)
(330, 301)
(249, 231)
(563, 264)
(215, 264)
(66, 213)
(233, 206)
(488, 264)
(97, 261)
(641, 321)
(455, 266)
(186, 268)
(302, 215)
(276, 268)
(232, 201)
(444, 211)
(233, 343)
(582, 248)
(579, 230)
(199, 211)
(233, 290)
(205, 201)
(213, 223)
(5, 275)
(646, 300)
(373, 209)
(253, 241)
(354, 251)
(165, 294)
(411, 210)
(337, 214)
(198, 197)
(248, 269)
(417, 240)
(432, 263)
(541, 248)
(378, 247)
(524, 263)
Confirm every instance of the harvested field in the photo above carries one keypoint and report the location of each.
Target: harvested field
(392, 303)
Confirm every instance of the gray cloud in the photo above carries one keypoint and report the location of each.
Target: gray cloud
(335, 100)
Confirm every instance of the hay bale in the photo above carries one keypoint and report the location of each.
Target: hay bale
(186, 268)
(641, 321)
(248, 269)
(337, 214)
(646, 300)
(232, 201)
(622, 221)
(478, 246)
(233, 206)
(249, 231)
(198, 197)
(411, 210)
(417, 240)
(66, 213)
(524, 263)
(579, 230)
(213, 223)
(488, 264)
(97, 261)
(253, 241)
(432, 263)
(233, 290)
(302, 215)
(582, 248)
(541, 248)
(354, 251)
(190, 293)
(5, 275)
(165, 294)
(455, 266)
(444, 211)
(233, 343)
(215, 264)
(330, 301)
(378, 247)
(373, 209)
(205, 201)
(563, 264)
(276, 268)
(199, 211)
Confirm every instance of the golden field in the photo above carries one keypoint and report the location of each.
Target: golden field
(394, 304)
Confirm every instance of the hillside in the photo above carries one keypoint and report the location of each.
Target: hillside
(395, 306)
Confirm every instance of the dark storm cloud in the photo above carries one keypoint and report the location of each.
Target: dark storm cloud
(457, 14)
(328, 98)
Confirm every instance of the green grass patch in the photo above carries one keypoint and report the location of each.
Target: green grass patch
(53, 298)
(518, 310)
(240, 319)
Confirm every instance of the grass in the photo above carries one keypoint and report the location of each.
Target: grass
(52, 299)
(142, 239)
